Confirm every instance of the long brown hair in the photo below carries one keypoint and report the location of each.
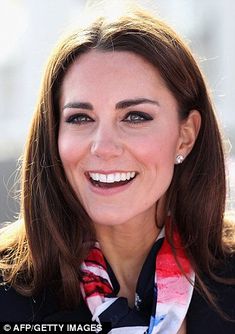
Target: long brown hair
(55, 233)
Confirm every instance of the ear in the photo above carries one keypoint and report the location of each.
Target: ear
(189, 129)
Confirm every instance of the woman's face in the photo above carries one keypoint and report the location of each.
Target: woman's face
(119, 135)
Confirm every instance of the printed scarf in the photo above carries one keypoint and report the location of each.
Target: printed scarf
(171, 293)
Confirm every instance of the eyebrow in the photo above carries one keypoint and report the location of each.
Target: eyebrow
(134, 102)
(79, 105)
(119, 105)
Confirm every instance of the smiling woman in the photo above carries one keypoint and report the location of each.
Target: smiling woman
(123, 189)
(120, 130)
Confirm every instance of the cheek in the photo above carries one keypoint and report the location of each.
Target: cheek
(66, 150)
(71, 154)
(70, 150)
(157, 150)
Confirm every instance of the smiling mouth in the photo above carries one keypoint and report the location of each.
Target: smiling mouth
(111, 180)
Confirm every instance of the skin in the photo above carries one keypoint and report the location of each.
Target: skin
(108, 139)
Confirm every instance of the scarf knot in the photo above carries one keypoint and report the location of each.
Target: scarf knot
(171, 292)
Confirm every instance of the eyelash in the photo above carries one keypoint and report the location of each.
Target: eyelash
(139, 117)
(79, 119)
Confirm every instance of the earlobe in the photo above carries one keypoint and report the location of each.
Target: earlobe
(179, 159)
(189, 130)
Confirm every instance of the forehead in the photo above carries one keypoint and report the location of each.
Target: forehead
(114, 74)
(95, 59)
(108, 63)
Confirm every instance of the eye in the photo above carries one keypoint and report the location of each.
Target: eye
(79, 119)
(137, 117)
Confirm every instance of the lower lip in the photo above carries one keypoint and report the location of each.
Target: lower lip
(110, 191)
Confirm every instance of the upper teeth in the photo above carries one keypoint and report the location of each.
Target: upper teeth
(114, 177)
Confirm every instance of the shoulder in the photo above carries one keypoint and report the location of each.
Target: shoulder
(17, 307)
(13, 306)
(44, 307)
(202, 316)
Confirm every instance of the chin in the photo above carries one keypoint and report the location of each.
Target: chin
(108, 220)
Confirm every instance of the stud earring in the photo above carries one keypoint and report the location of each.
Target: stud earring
(179, 159)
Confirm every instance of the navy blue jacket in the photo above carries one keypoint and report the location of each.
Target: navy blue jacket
(201, 318)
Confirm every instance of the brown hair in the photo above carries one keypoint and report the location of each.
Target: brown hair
(55, 232)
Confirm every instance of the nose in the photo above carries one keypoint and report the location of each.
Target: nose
(106, 143)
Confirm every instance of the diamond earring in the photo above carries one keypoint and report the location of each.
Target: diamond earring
(179, 159)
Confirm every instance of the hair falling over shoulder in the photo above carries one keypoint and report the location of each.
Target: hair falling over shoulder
(48, 244)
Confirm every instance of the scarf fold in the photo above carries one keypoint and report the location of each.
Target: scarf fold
(172, 291)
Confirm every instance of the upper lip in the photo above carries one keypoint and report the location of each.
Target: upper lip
(106, 172)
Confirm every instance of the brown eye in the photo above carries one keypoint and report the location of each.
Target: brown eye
(137, 117)
(79, 119)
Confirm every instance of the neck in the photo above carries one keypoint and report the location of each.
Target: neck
(126, 247)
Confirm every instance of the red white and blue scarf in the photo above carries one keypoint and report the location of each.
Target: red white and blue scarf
(168, 297)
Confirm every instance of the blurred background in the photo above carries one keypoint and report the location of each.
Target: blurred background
(30, 28)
